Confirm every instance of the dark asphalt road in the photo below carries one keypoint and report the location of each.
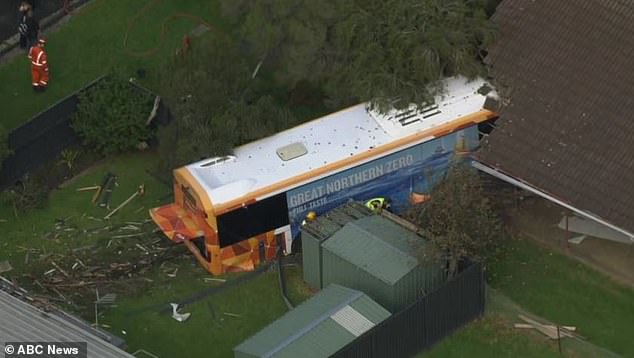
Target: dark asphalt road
(9, 15)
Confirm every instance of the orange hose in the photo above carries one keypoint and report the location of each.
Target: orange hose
(153, 50)
(132, 21)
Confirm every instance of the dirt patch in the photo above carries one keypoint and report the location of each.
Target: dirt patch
(537, 219)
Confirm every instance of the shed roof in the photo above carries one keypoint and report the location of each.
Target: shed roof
(329, 223)
(327, 140)
(318, 327)
(566, 68)
(24, 322)
(378, 246)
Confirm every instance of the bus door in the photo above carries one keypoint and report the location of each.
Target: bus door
(283, 238)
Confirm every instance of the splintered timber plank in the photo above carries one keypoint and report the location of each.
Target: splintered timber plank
(548, 330)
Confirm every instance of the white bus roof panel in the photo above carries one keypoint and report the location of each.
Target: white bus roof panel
(328, 139)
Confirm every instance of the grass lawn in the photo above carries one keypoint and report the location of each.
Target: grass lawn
(531, 280)
(566, 292)
(92, 42)
(30, 230)
(209, 332)
(490, 337)
(493, 335)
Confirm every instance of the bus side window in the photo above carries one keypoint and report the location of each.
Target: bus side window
(255, 219)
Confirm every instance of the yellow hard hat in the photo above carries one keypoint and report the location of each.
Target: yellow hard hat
(311, 216)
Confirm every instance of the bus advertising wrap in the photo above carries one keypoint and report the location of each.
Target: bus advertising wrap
(401, 177)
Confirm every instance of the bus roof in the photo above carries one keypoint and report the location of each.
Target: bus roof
(326, 140)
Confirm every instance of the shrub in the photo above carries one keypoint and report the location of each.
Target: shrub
(459, 222)
(29, 193)
(111, 116)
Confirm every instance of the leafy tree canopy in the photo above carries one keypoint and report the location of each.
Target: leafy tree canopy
(387, 51)
(216, 104)
(459, 221)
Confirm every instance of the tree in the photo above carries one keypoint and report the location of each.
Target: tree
(459, 221)
(216, 104)
(387, 51)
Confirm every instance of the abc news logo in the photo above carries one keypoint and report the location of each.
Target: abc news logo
(45, 349)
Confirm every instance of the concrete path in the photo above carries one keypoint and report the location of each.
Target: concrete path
(539, 220)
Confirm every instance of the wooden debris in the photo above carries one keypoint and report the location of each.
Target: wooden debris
(231, 314)
(142, 248)
(140, 191)
(45, 256)
(59, 268)
(49, 272)
(5, 266)
(157, 101)
(89, 188)
(548, 330)
(83, 248)
(39, 284)
(127, 236)
(212, 279)
(60, 294)
(131, 227)
(6, 281)
(107, 299)
(173, 274)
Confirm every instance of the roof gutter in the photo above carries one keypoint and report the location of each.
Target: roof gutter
(498, 174)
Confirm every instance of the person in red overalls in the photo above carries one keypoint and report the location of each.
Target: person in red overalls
(39, 66)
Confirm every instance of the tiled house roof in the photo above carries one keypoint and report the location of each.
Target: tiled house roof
(566, 70)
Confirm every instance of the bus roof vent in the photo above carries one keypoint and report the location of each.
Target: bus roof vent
(415, 114)
(218, 160)
(291, 151)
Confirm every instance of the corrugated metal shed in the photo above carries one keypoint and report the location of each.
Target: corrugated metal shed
(20, 321)
(317, 328)
(378, 256)
(315, 233)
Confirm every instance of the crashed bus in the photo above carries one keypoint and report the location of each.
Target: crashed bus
(236, 211)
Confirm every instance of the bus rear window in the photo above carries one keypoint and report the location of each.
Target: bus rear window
(243, 223)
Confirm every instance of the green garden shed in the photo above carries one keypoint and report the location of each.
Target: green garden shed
(378, 256)
(315, 233)
(317, 328)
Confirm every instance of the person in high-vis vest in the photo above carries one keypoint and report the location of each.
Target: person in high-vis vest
(39, 66)
(378, 204)
(310, 217)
